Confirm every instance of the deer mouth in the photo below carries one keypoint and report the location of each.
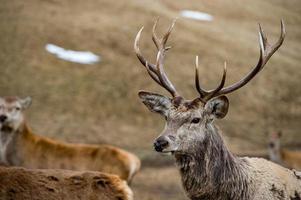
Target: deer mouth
(6, 127)
(167, 153)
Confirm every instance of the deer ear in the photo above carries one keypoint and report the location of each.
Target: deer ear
(218, 107)
(155, 102)
(26, 102)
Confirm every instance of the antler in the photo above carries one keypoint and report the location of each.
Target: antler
(156, 71)
(206, 95)
(266, 51)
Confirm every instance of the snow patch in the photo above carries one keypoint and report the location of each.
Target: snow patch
(82, 57)
(196, 15)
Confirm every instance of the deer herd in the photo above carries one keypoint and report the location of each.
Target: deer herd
(36, 167)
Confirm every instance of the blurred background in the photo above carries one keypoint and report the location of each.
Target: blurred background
(98, 103)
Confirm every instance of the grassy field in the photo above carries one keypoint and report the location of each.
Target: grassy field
(98, 103)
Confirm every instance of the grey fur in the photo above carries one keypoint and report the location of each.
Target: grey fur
(210, 171)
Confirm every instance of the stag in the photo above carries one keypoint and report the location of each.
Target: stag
(286, 157)
(20, 146)
(28, 184)
(208, 169)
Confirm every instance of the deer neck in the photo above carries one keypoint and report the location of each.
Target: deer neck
(10, 141)
(211, 171)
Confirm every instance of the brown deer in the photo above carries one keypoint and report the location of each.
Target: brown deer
(208, 169)
(282, 156)
(52, 184)
(19, 146)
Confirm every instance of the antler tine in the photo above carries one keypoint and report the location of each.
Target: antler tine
(154, 35)
(167, 34)
(164, 39)
(141, 58)
(165, 82)
(272, 49)
(201, 91)
(266, 51)
(160, 59)
(220, 86)
(206, 95)
(157, 72)
(282, 36)
(151, 68)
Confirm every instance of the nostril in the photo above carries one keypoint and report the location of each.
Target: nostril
(163, 143)
(3, 118)
(157, 146)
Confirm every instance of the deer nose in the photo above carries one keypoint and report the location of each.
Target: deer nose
(160, 144)
(3, 118)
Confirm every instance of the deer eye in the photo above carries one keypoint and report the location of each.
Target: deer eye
(17, 108)
(195, 120)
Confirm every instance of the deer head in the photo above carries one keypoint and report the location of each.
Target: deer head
(11, 112)
(274, 147)
(188, 121)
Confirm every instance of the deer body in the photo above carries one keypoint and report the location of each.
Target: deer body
(27, 184)
(209, 171)
(291, 158)
(19, 146)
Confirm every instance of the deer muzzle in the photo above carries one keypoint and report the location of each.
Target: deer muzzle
(161, 143)
(3, 118)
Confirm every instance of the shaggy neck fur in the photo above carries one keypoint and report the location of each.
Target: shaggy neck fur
(210, 171)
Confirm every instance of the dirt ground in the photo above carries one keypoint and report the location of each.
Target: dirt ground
(98, 103)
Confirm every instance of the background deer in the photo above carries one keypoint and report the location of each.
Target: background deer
(208, 169)
(19, 146)
(26, 184)
(285, 157)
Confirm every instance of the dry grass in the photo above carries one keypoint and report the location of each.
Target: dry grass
(99, 103)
